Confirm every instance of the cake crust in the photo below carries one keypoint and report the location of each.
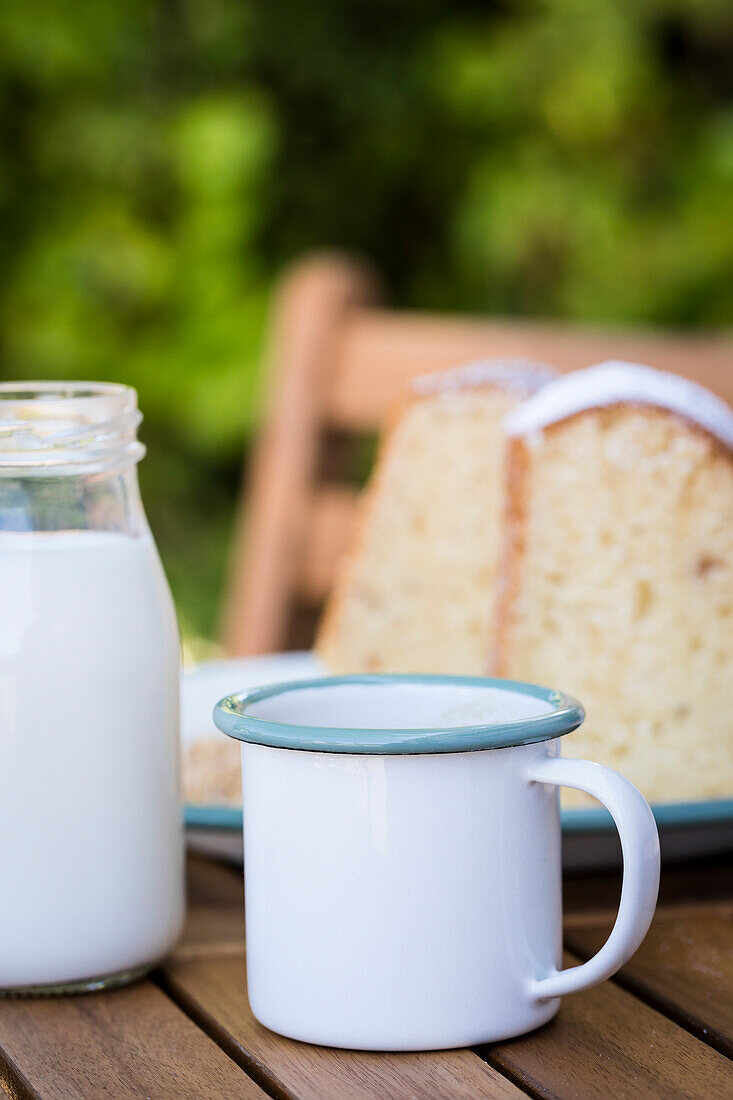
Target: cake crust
(515, 379)
(623, 594)
(516, 481)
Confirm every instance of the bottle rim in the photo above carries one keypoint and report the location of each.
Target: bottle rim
(55, 428)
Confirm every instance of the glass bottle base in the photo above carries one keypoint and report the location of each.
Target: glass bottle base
(84, 985)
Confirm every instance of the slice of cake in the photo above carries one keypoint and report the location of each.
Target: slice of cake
(617, 578)
(417, 592)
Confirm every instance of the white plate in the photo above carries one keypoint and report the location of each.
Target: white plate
(687, 829)
(204, 685)
(217, 830)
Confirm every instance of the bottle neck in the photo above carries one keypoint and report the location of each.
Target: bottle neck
(108, 501)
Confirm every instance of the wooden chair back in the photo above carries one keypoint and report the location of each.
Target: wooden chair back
(336, 362)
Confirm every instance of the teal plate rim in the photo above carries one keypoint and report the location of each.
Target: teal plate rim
(717, 811)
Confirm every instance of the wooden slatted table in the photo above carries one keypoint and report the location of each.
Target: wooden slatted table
(663, 1028)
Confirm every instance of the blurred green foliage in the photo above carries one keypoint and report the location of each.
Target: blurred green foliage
(162, 160)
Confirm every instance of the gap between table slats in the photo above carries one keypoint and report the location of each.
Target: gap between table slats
(212, 991)
(607, 1042)
(215, 931)
(603, 1042)
(131, 1042)
(584, 932)
(684, 968)
(12, 1081)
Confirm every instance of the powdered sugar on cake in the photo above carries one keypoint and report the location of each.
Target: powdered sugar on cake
(520, 376)
(616, 383)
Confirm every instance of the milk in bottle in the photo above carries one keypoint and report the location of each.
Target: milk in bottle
(90, 813)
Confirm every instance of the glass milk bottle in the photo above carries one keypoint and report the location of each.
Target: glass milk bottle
(91, 845)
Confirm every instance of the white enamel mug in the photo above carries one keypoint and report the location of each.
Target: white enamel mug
(402, 858)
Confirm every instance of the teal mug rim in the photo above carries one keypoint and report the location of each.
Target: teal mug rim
(231, 718)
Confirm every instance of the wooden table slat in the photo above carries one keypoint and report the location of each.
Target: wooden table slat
(660, 1029)
(215, 909)
(212, 990)
(214, 884)
(684, 968)
(606, 1042)
(703, 882)
(132, 1042)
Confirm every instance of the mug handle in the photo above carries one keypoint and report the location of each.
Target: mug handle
(637, 831)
